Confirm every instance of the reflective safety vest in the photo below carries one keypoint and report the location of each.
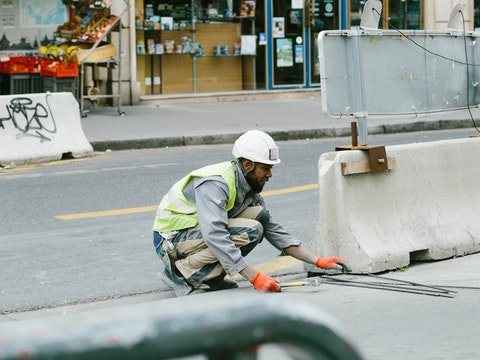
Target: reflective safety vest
(175, 212)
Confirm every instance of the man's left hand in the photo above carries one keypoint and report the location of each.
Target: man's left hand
(333, 263)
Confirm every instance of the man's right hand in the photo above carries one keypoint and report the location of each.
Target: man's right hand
(265, 283)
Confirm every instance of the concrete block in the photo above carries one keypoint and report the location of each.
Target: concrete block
(41, 127)
(426, 208)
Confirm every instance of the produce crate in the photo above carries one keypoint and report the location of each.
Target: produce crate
(36, 83)
(36, 66)
(14, 84)
(58, 68)
(19, 84)
(18, 65)
(102, 52)
(4, 66)
(54, 84)
(94, 28)
(4, 84)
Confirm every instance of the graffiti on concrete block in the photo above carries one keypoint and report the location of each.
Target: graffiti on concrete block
(32, 120)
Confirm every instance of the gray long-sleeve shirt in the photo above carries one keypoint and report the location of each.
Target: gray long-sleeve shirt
(210, 195)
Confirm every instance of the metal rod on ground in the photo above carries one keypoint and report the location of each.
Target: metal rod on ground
(387, 289)
(393, 286)
(460, 287)
(412, 283)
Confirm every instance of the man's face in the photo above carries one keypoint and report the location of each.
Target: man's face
(260, 174)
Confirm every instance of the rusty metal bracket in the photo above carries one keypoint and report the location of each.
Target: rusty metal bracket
(377, 157)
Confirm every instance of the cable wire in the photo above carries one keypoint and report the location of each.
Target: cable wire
(443, 57)
(468, 72)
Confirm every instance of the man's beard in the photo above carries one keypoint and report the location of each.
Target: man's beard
(256, 187)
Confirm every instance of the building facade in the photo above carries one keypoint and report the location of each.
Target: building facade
(205, 46)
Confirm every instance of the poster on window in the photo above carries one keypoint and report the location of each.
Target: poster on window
(7, 15)
(278, 27)
(248, 45)
(27, 24)
(284, 52)
(298, 54)
(42, 13)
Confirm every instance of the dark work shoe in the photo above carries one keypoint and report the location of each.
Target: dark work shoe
(179, 285)
(222, 284)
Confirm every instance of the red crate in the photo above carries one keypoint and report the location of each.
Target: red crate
(18, 65)
(36, 67)
(58, 68)
(4, 66)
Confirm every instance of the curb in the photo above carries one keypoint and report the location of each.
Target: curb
(279, 135)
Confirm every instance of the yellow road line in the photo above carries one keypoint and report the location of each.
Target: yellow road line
(153, 208)
(280, 263)
(106, 213)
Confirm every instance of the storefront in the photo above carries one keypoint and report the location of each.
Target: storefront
(207, 46)
(234, 45)
(281, 36)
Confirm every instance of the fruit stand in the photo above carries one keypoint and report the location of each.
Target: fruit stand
(79, 43)
(87, 37)
(100, 54)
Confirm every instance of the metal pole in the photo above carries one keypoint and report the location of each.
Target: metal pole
(119, 71)
(360, 108)
(254, 59)
(194, 59)
(80, 91)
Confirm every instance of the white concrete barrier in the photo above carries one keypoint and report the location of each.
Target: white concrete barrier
(427, 208)
(41, 127)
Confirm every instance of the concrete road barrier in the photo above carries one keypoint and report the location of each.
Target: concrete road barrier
(425, 208)
(41, 127)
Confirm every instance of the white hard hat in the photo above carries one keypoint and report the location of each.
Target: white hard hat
(257, 146)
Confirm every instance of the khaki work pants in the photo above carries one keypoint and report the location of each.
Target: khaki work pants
(197, 263)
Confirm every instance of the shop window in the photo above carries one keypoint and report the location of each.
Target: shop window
(396, 14)
(198, 46)
(203, 10)
(404, 14)
(355, 13)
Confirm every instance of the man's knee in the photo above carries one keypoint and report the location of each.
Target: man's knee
(248, 237)
(258, 213)
(263, 216)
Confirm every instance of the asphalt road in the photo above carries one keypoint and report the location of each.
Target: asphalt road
(63, 250)
(61, 244)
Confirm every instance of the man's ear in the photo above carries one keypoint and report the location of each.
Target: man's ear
(247, 165)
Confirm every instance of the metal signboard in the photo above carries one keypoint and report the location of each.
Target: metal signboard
(391, 72)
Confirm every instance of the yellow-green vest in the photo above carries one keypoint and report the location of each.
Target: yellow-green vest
(176, 213)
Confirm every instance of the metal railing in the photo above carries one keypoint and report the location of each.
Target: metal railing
(226, 326)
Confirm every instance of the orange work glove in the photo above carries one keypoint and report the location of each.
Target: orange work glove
(332, 263)
(265, 283)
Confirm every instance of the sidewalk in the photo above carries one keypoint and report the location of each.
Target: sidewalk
(148, 126)
(382, 324)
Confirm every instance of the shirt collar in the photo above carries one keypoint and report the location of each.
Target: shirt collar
(242, 181)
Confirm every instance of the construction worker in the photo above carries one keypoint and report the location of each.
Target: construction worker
(212, 218)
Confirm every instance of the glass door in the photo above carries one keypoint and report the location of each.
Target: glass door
(288, 40)
(404, 14)
(322, 15)
(397, 14)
